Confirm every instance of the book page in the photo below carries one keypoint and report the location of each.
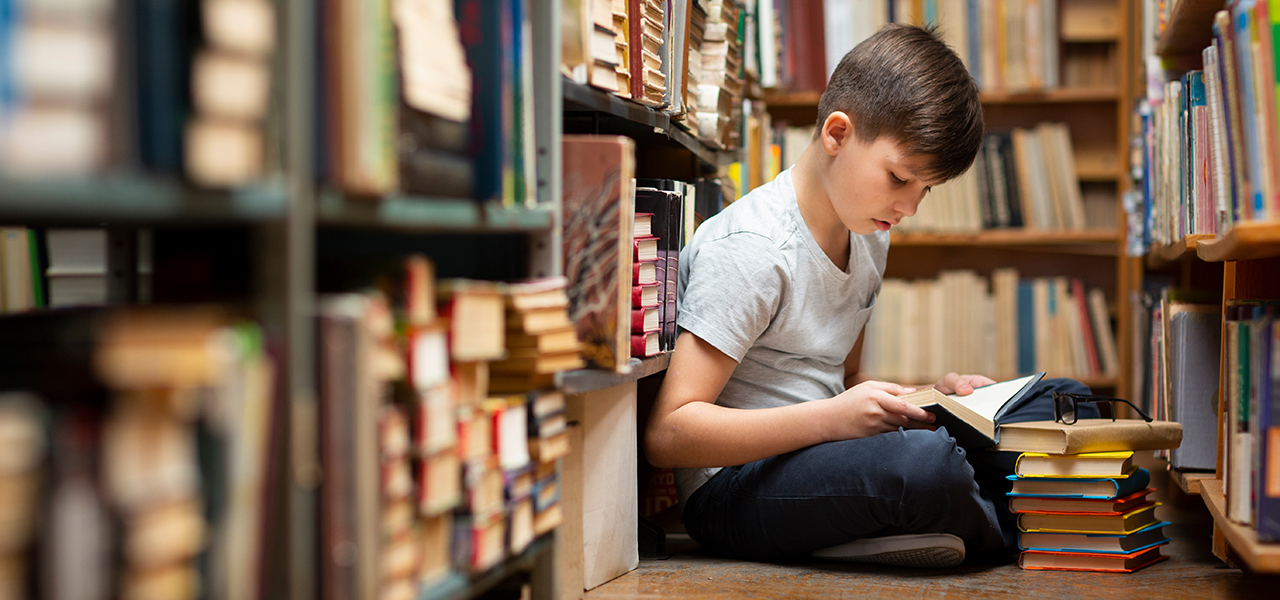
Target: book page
(987, 400)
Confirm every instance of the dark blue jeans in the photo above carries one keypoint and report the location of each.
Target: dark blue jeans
(907, 481)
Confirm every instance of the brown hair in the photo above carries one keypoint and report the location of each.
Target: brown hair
(906, 83)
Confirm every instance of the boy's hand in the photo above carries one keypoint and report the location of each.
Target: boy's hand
(873, 407)
(963, 385)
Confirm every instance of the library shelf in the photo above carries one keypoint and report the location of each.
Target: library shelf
(1006, 237)
(1174, 252)
(418, 213)
(1184, 32)
(459, 586)
(1245, 241)
(613, 114)
(1258, 557)
(1190, 482)
(582, 381)
(135, 199)
(809, 99)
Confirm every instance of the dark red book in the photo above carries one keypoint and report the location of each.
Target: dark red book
(644, 344)
(645, 296)
(645, 249)
(645, 320)
(644, 272)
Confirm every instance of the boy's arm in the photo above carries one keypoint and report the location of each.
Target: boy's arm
(853, 374)
(687, 428)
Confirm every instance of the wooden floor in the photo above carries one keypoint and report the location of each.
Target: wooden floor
(1191, 572)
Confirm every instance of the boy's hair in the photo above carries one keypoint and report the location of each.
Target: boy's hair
(905, 83)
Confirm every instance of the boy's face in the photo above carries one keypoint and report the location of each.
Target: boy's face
(874, 186)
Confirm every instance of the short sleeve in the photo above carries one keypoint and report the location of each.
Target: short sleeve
(730, 290)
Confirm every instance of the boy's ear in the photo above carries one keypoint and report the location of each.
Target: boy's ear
(836, 131)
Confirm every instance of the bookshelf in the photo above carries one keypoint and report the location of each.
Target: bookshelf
(1242, 264)
(1096, 110)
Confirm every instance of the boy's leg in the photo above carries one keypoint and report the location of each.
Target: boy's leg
(788, 506)
(992, 468)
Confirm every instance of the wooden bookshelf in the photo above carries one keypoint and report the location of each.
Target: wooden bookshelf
(1191, 483)
(1008, 237)
(1170, 253)
(1188, 27)
(457, 586)
(1245, 241)
(1258, 557)
(135, 200)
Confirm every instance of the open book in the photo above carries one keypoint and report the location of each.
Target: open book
(972, 419)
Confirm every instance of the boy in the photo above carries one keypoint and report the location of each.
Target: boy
(775, 292)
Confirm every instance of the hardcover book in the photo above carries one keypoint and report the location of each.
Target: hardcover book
(597, 212)
(972, 419)
(1089, 435)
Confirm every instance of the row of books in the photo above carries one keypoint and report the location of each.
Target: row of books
(1182, 369)
(439, 453)
(54, 268)
(962, 322)
(1007, 45)
(1211, 157)
(683, 58)
(1085, 512)
(139, 469)
(102, 86)
(603, 256)
(1251, 449)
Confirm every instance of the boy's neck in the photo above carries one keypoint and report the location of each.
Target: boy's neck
(815, 205)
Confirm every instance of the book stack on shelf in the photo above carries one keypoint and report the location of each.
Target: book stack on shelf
(540, 339)
(1250, 451)
(145, 462)
(1181, 367)
(926, 328)
(1085, 512)
(649, 37)
(225, 140)
(646, 289)
(548, 437)
(719, 94)
(673, 205)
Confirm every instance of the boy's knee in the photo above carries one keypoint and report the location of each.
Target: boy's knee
(937, 463)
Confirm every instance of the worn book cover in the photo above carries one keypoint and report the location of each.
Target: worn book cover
(1089, 435)
(597, 217)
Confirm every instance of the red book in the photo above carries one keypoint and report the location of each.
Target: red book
(1088, 561)
(644, 320)
(646, 249)
(644, 344)
(1058, 505)
(645, 296)
(644, 272)
(1086, 326)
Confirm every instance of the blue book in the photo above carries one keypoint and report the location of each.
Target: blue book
(485, 29)
(164, 49)
(1105, 488)
(1101, 543)
(1241, 16)
(1026, 327)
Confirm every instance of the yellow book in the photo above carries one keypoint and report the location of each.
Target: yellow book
(1093, 465)
(1123, 524)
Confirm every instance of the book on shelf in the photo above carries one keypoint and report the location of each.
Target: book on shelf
(645, 344)
(972, 419)
(1192, 337)
(1119, 505)
(646, 295)
(475, 314)
(21, 281)
(597, 212)
(645, 320)
(1093, 464)
(1089, 435)
(1103, 488)
(644, 272)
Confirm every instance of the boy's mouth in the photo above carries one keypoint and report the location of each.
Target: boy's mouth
(882, 225)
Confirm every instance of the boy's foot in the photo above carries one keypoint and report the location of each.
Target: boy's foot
(927, 550)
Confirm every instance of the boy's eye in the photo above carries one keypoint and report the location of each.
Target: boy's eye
(896, 179)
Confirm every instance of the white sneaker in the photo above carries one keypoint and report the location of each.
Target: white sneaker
(926, 550)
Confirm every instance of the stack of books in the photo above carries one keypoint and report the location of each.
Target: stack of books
(548, 443)
(646, 287)
(1085, 512)
(720, 86)
(540, 338)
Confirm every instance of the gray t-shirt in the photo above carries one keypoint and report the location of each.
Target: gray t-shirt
(756, 285)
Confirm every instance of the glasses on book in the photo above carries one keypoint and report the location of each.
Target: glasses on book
(1065, 404)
